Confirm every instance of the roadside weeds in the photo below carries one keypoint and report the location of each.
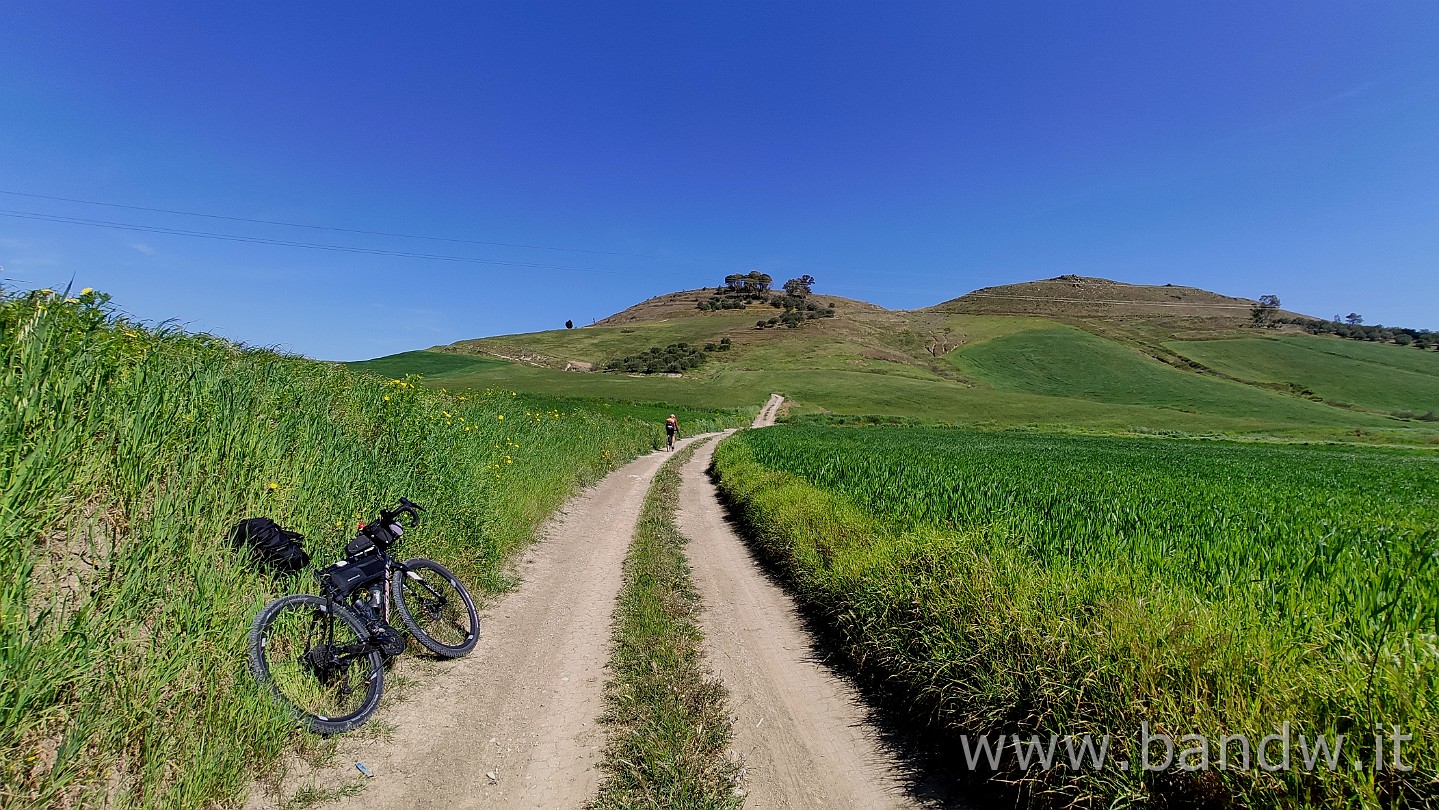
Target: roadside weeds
(666, 717)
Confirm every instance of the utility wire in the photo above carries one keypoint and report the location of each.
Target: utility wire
(259, 240)
(357, 231)
(440, 257)
(343, 230)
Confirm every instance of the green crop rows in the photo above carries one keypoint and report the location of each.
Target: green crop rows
(1024, 582)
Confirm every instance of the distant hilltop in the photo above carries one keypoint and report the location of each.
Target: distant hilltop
(1090, 297)
(1068, 296)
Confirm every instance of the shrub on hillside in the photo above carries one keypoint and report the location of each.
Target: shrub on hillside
(672, 359)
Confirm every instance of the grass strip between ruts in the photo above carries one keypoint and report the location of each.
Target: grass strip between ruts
(665, 716)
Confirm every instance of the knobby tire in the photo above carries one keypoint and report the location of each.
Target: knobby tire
(435, 608)
(285, 643)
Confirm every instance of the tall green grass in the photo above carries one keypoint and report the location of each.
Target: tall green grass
(125, 455)
(1028, 583)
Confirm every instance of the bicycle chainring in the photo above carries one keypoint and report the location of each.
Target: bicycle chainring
(387, 639)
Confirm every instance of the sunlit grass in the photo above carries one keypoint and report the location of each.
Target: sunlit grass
(127, 452)
(1032, 583)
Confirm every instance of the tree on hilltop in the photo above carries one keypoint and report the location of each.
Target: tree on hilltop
(757, 281)
(799, 287)
(1354, 319)
(1263, 312)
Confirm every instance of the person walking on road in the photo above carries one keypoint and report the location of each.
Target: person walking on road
(672, 430)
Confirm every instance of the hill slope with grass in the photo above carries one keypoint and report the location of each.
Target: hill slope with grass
(1074, 352)
(126, 456)
(1087, 297)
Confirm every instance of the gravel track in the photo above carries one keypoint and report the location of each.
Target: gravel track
(515, 724)
(803, 732)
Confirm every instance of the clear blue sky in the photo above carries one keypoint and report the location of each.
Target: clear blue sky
(903, 153)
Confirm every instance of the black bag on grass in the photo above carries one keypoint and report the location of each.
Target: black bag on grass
(271, 547)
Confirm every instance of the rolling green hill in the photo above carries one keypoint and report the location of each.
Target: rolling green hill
(1367, 375)
(1068, 362)
(428, 364)
(1076, 352)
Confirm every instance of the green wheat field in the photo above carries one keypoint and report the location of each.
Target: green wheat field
(1024, 582)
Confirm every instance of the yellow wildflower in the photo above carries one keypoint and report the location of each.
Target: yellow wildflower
(87, 291)
(501, 417)
(387, 397)
(272, 486)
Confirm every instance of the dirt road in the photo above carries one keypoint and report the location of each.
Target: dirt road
(523, 706)
(770, 410)
(802, 731)
(515, 724)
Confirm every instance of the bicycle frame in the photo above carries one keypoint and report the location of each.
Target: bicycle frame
(363, 592)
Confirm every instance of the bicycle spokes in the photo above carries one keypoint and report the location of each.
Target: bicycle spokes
(444, 619)
(316, 662)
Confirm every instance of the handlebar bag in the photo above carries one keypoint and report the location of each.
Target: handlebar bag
(383, 535)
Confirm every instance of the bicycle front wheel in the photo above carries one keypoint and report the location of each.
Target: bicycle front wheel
(435, 607)
(316, 658)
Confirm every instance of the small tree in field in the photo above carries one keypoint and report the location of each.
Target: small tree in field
(1263, 312)
(1354, 319)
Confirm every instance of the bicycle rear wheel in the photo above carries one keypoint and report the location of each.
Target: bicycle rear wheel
(315, 657)
(435, 607)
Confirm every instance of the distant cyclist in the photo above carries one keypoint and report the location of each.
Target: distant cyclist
(672, 430)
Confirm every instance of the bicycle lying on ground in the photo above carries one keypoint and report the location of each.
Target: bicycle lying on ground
(324, 656)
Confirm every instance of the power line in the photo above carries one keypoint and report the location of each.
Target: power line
(714, 260)
(33, 215)
(259, 240)
(337, 229)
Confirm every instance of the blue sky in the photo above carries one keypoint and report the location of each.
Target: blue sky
(569, 159)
